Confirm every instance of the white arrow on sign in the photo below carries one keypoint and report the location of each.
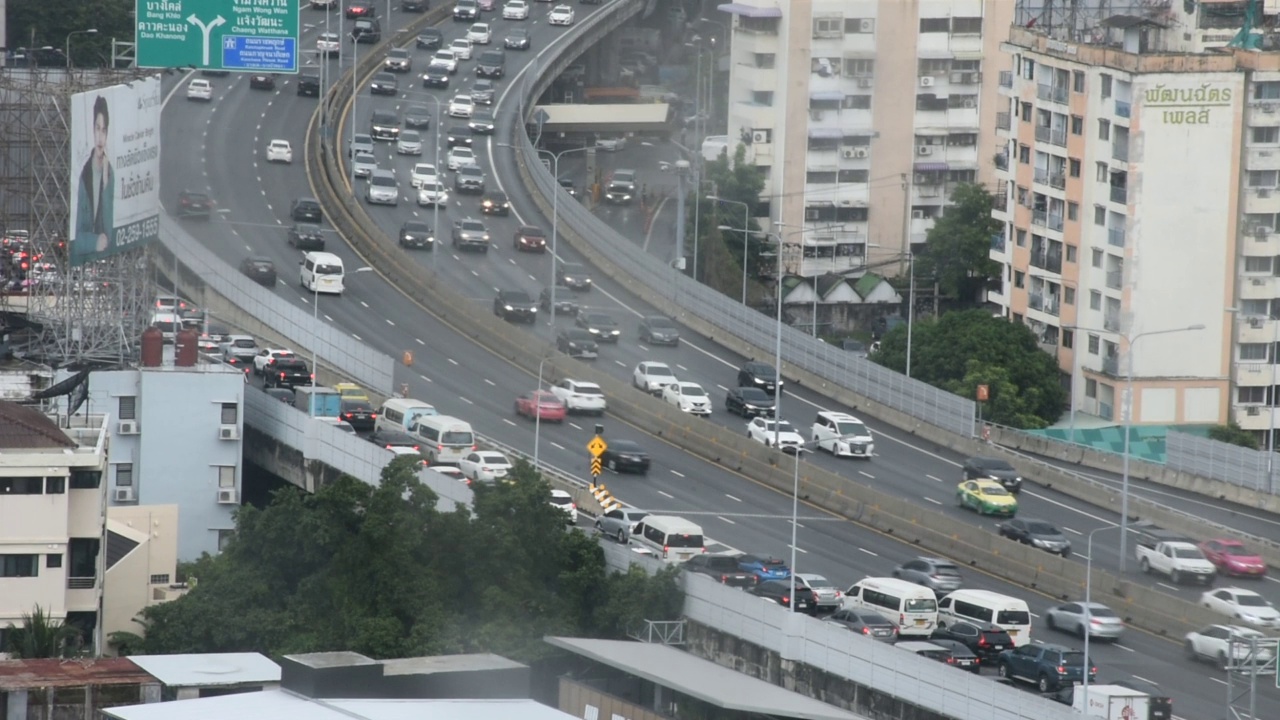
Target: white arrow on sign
(206, 29)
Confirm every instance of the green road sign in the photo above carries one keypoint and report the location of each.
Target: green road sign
(248, 35)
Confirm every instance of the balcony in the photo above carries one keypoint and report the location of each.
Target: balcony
(1119, 194)
(1111, 322)
(1115, 237)
(1115, 279)
(1058, 180)
(1047, 304)
(997, 242)
(1047, 261)
(1054, 136)
(1111, 365)
(81, 583)
(1055, 222)
(1120, 151)
(1122, 109)
(1006, 78)
(1004, 121)
(1040, 217)
(1052, 93)
(1001, 203)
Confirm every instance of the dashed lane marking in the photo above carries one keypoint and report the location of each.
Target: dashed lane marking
(935, 502)
(452, 361)
(556, 445)
(735, 499)
(490, 382)
(419, 341)
(677, 473)
(721, 517)
(866, 474)
(868, 552)
(934, 478)
(666, 494)
(466, 401)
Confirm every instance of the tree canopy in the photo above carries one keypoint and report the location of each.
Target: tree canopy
(47, 23)
(964, 349)
(41, 636)
(380, 571)
(958, 246)
(720, 252)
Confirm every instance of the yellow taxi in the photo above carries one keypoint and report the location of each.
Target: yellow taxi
(986, 497)
(351, 391)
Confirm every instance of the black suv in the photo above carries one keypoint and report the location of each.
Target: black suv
(492, 64)
(1038, 533)
(779, 591)
(309, 85)
(460, 136)
(417, 235)
(758, 374)
(417, 117)
(574, 275)
(306, 236)
(627, 456)
(466, 11)
(305, 210)
(601, 325)
(385, 125)
(723, 568)
(515, 305)
(194, 204)
(986, 641)
(566, 303)
(659, 330)
(430, 39)
(516, 39)
(495, 202)
(985, 468)
(577, 343)
(287, 372)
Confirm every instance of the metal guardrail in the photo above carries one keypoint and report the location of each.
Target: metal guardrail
(1216, 460)
(201, 269)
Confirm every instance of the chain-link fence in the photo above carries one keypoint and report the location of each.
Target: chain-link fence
(1229, 463)
(202, 269)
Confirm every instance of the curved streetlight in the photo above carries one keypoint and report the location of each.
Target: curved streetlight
(73, 33)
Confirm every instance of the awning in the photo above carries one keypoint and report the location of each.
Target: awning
(968, 55)
(935, 54)
(827, 96)
(744, 10)
(933, 131)
(826, 133)
(932, 167)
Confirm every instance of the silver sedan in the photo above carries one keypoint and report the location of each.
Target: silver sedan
(620, 523)
(1102, 621)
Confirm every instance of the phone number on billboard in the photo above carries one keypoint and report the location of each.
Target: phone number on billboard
(135, 232)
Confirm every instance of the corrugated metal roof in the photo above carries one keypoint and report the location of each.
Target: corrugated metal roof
(211, 669)
(749, 11)
(26, 428)
(627, 116)
(702, 679)
(284, 705)
(20, 674)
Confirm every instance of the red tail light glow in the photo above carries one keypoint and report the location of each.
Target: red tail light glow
(866, 631)
(665, 549)
(281, 376)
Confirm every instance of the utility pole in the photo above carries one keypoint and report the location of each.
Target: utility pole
(682, 170)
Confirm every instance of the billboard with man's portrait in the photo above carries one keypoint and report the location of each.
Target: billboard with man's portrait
(115, 169)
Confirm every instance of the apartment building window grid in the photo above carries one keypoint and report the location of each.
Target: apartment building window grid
(127, 407)
(19, 566)
(226, 476)
(829, 26)
(124, 474)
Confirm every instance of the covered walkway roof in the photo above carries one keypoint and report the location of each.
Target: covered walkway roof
(607, 118)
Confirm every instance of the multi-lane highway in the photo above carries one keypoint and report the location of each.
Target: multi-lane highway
(219, 147)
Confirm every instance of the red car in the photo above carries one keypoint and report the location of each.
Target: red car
(1231, 558)
(541, 404)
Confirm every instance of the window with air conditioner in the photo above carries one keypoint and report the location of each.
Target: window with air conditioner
(761, 137)
(123, 474)
(230, 412)
(127, 408)
(859, 25)
(1258, 264)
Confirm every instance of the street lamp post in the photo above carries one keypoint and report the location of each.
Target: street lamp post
(746, 234)
(355, 104)
(537, 413)
(67, 50)
(911, 303)
(555, 216)
(315, 314)
(795, 510)
(1088, 610)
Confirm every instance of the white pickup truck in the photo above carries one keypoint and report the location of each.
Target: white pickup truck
(1171, 554)
(580, 396)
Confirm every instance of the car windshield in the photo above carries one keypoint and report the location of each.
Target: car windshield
(366, 159)
(409, 136)
(1101, 611)
(818, 581)
(1042, 529)
(995, 491)
(245, 343)
(851, 428)
(471, 171)
(328, 270)
(783, 426)
(1251, 601)
(763, 372)
(588, 390)
(997, 465)
(693, 391)
(261, 264)
(561, 500)
(414, 226)
(921, 605)
(1189, 553)
(659, 371)
(1013, 617)
(595, 319)
(755, 395)
(660, 322)
(948, 570)
(434, 187)
(398, 53)
(473, 226)
(306, 229)
(1236, 551)
(518, 297)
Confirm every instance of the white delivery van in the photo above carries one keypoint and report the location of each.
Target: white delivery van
(401, 414)
(673, 539)
(445, 440)
(322, 272)
(913, 608)
(984, 606)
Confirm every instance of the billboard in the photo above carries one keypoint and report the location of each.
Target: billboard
(114, 201)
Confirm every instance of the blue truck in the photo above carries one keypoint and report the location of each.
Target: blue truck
(318, 401)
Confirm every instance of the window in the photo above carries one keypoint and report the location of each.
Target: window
(765, 61)
(1255, 307)
(1019, 278)
(53, 560)
(1024, 154)
(19, 565)
(1071, 253)
(859, 25)
(825, 66)
(1252, 264)
(962, 140)
(1251, 395)
(1077, 81)
(22, 486)
(55, 486)
(1253, 351)
(1097, 258)
(1068, 337)
(1073, 212)
(853, 176)
(933, 66)
(226, 476)
(1022, 196)
(1099, 216)
(86, 479)
(1090, 388)
(1073, 168)
(1022, 237)
(1262, 178)
(1266, 91)
(124, 475)
(928, 25)
(224, 538)
(1093, 344)
(856, 102)
(1102, 173)
(1104, 129)
(1095, 300)
(1077, 125)
(1106, 86)
(1069, 297)
(855, 67)
(1026, 112)
(827, 27)
(763, 98)
(820, 176)
(1028, 69)
(128, 408)
(765, 133)
(1265, 135)
(160, 579)
(966, 26)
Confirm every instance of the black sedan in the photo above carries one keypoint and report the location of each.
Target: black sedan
(723, 568)
(305, 210)
(436, 76)
(602, 326)
(566, 303)
(779, 591)
(360, 8)
(430, 39)
(384, 83)
(194, 204)
(459, 136)
(959, 655)
(868, 622)
(495, 202)
(625, 456)
(749, 402)
(986, 641)
(260, 269)
(515, 305)
(577, 343)
(417, 234)
(516, 39)
(481, 122)
(359, 414)
(262, 81)
(758, 374)
(417, 117)
(306, 236)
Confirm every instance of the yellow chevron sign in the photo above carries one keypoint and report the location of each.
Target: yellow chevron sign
(595, 467)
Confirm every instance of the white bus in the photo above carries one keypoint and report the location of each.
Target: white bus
(445, 439)
(322, 272)
(913, 608)
(986, 607)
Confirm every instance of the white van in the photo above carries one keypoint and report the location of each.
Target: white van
(444, 439)
(913, 608)
(673, 539)
(322, 272)
(984, 606)
(401, 414)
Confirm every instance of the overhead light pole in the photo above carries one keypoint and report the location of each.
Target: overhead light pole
(746, 234)
(315, 314)
(73, 33)
(795, 508)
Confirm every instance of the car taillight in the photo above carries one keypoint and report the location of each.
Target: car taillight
(724, 578)
(866, 631)
(951, 661)
(1062, 670)
(281, 376)
(573, 506)
(982, 641)
(348, 416)
(373, 416)
(665, 550)
(902, 619)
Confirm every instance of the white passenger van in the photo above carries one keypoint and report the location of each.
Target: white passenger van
(401, 414)
(322, 272)
(913, 608)
(444, 439)
(984, 606)
(673, 539)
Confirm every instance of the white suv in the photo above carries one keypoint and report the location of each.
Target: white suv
(199, 89)
(652, 377)
(689, 397)
(580, 396)
(769, 432)
(842, 435)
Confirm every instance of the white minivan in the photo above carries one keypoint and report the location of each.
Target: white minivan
(913, 608)
(673, 539)
(984, 606)
(401, 414)
(322, 272)
(445, 440)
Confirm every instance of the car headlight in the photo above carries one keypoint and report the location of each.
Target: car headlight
(508, 307)
(614, 332)
(757, 381)
(593, 331)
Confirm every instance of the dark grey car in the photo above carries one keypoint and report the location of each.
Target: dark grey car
(574, 275)
(659, 330)
(566, 303)
(985, 468)
(939, 575)
(868, 622)
(1037, 533)
(417, 117)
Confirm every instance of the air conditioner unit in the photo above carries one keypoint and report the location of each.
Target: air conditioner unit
(124, 494)
(1261, 232)
(861, 153)
(924, 150)
(969, 103)
(917, 214)
(926, 81)
(228, 432)
(227, 496)
(759, 137)
(847, 153)
(127, 427)
(865, 82)
(1255, 323)
(1259, 282)
(1269, 108)
(1254, 410)
(867, 25)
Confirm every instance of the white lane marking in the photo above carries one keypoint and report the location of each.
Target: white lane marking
(357, 337)
(390, 323)
(935, 502)
(1122, 647)
(1072, 530)
(556, 445)
(1082, 557)
(867, 475)
(732, 497)
(490, 382)
(723, 388)
(721, 517)
(424, 377)
(452, 361)
(1139, 678)
(419, 341)
(1217, 680)
(1167, 586)
(466, 400)
(642, 348)
(364, 303)
(666, 494)
(326, 317)
(677, 473)
(681, 367)
(934, 478)
(620, 363)
(575, 426)
(868, 552)
(798, 549)
(508, 422)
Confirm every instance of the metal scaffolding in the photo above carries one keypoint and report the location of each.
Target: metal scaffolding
(1249, 661)
(1080, 21)
(92, 313)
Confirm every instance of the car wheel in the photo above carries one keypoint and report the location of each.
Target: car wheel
(1080, 630)
(1145, 565)
(1048, 620)
(1223, 663)
(1004, 671)
(622, 537)
(1045, 684)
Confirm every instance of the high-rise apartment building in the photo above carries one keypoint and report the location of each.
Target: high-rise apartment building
(864, 115)
(1139, 185)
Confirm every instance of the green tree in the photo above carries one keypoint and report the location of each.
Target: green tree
(379, 570)
(957, 249)
(47, 23)
(1234, 434)
(962, 350)
(721, 253)
(41, 636)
